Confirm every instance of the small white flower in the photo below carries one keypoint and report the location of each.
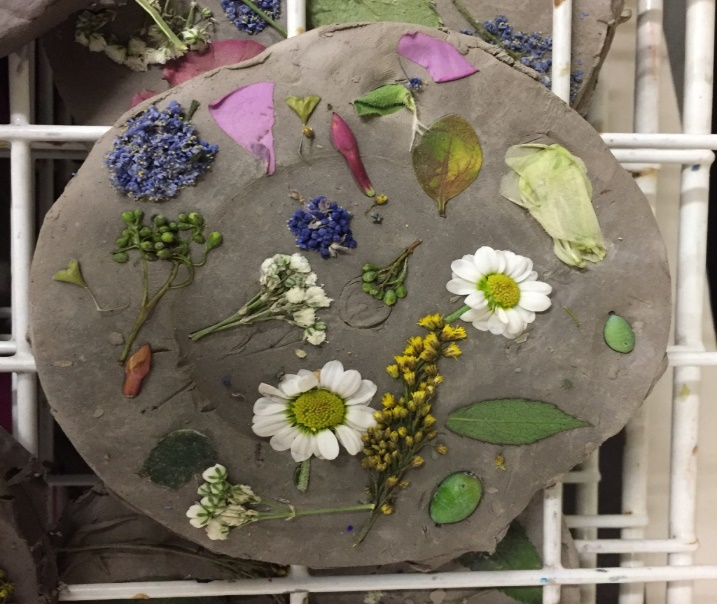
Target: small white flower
(217, 473)
(136, 62)
(310, 279)
(97, 43)
(81, 38)
(314, 336)
(199, 516)
(136, 46)
(295, 295)
(316, 297)
(300, 264)
(305, 317)
(157, 55)
(217, 530)
(116, 52)
(311, 413)
(502, 290)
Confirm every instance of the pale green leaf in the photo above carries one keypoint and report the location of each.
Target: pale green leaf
(511, 421)
(553, 185)
(448, 159)
(384, 101)
(514, 552)
(179, 456)
(303, 106)
(326, 12)
(72, 274)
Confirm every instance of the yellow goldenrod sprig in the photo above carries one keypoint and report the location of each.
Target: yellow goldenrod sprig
(6, 588)
(405, 425)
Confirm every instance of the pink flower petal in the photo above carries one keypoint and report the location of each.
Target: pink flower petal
(141, 96)
(441, 59)
(224, 52)
(247, 116)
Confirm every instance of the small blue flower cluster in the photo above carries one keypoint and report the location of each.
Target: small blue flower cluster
(415, 84)
(158, 154)
(322, 226)
(247, 20)
(535, 51)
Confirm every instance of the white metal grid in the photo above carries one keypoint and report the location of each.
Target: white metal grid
(692, 149)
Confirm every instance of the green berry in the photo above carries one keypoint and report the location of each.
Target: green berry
(401, 291)
(369, 267)
(184, 226)
(378, 295)
(145, 232)
(215, 239)
(168, 237)
(198, 238)
(163, 229)
(164, 254)
(146, 246)
(182, 218)
(160, 220)
(369, 276)
(120, 257)
(390, 298)
(128, 217)
(367, 287)
(122, 241)
(159, 245)
(173, 226)
(196, 218)
(138, 215)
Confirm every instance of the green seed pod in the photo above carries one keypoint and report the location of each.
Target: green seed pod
(215, 239)
(145, 232)
(618, 334)
(159, 245)
(320, 325)
(147, 246)
(138, 215)
(401, 291)
(367, 287)
(198, 238)
(389, 298)
(181, 249)
(173, 226)
(369, 276)
(456, 498)
(196, 218)
(168, 237)
(160, 220)
(182, 218)
(163, 229)
(184, 226)
(120, 257)
(378, 295)
(126, 232)
(122, 242)
(128, 217)
(164, 254)
(369, 267)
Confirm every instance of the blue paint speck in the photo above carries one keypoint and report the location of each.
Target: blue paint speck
(583, 15)
(695, 167)
(543, 580)
(226, 381)
(349, 528)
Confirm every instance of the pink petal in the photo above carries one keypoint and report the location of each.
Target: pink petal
(225, 52)
(441, 59)
(141, 96)
(247, 116)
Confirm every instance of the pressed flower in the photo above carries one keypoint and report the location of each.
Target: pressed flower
(502, 291)
(345, 141)
(322, 226)
(310, 413)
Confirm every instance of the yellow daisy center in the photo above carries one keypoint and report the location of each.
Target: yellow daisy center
(500, 291)
(317, 410)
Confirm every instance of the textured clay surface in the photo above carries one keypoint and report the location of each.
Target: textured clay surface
(211, 386)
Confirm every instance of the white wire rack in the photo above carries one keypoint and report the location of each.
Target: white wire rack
(692, 149)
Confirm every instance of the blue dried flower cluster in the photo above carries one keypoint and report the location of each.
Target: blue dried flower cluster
(415, 84)
(535, 51)
(247, 20)
(158, 154)
(322, 226)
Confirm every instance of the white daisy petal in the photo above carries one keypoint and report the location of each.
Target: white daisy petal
(522, 269)
(282, 440)
(360, 418)
(308, 381)
(466, 270)
(534, 302)
(486, 261)
(460, 287)
(350, 383)
(537, 287)
(267, 406)
(495, 325)
(301, 447)
(527, 316)
(331, 375)
(270, 425)
(350, 439)
(476, 300)
(289, 385)
(268, 390)
(363, 395)
(516, 325)
(476, 314)
(328, 445)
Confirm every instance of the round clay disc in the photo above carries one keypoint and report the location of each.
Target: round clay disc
(211, 385)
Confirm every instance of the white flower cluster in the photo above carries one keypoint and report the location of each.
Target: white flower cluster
(150, 46)
(289, 286)
(224, 506)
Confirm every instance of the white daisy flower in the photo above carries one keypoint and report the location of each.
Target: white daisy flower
(312, 412)
(502, 290)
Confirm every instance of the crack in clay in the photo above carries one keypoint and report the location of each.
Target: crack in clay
(190, 385)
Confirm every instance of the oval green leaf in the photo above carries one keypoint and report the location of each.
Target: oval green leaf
(619, 335)
(179, 456)
(456, 498)
(511, 421)
(384, 101)
(448, 159)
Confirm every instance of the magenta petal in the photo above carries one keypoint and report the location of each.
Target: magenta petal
(216, 54)
(247, 116)
(441, 59)
(140, 96)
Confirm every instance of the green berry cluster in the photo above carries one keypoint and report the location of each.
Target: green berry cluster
(387, 283)
(162, 238)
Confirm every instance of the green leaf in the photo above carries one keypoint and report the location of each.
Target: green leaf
(72, 274)
(511, 421)
(384, 101)
(514, 552)
(325, 12)
(303, 106)
(448, 159)
(179, 456)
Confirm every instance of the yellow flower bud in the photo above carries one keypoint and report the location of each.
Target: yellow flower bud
(430, 370)
(404, 412)
(394, 437)
(415, 346)
(402, 431)
(409, 377)
(425, 410)
(429, 354)
(388, 400)
(367, 452)
(450, 333)
(391, 481)
(387, 457)
(418, 437)
(428, 421)
(452, 351)
(419, 397)
(409, 441)
(417, 461)
(387, 508)
(411, 406)
(392, 370)
(441, 449)
(432, 321)
(404, 484)
(431, 435)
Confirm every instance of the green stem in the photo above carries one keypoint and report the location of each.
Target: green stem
(485, 35)
(297, 513)
(457, 314)
(266, 17)
(162, 24)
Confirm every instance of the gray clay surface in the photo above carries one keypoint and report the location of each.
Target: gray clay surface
(187, 387)
(97, 91)
(26, 555)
